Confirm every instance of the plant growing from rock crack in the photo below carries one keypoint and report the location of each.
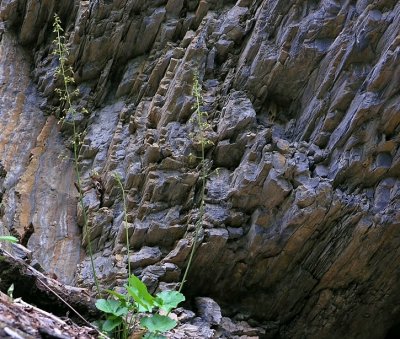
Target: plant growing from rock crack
(65, 73)
(200, 119)
(137, 305)
(124, 311)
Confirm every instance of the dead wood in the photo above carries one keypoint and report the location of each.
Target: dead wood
(19, 319)
(44, 292)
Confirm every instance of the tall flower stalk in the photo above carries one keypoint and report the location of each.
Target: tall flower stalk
(65, 73)
(202, 125)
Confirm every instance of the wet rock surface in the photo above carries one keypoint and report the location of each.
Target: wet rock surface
(302, 201)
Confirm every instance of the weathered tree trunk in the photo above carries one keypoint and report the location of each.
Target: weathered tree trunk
(302, 217)
(45, 292)
(22, 320)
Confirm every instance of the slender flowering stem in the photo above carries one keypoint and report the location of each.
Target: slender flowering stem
(200, 116)
(66, 96)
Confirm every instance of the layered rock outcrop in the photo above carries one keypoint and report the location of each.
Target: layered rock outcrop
(37, 203)
(302, 200)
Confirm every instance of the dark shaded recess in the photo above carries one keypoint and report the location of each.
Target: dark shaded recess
(215, 4)
(28, 285)
(276, 108)
(394, 332)
(66, 11)
(116, 75)
(28, 231)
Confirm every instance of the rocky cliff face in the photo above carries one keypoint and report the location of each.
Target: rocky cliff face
(302, 215)
(34, 196)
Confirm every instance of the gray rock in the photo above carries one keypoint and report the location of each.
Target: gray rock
(173, 7)
(240, 329)
(275, 189)
(208, 310)
(179, 254)
(235, 233)
(124, 230)
(146, 256)
(302, 101)
(238, 114)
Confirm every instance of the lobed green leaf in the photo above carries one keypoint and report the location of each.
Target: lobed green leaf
(138, 291)
(168, 300)
(158, 323)
(111, 307)
(111, 323)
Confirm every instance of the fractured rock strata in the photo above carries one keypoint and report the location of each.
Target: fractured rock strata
(301, 224)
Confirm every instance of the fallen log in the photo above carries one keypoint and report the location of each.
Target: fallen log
(20, 320)
(45, 292)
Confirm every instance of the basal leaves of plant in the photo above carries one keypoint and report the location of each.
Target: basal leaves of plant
(111, 307)
(139, 293)
(139, 301)
(168, 300)
(115, 312)
(151, 335)
(158, 323)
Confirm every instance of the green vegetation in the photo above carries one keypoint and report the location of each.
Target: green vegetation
(137, 306)
(125, 310)
(201, 126)
(65, 73)
(8, 238)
